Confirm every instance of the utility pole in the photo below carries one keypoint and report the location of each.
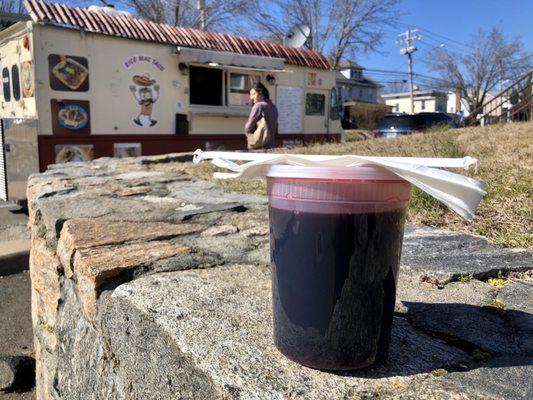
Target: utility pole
(408, 50)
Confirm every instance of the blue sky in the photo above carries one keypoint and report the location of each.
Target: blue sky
(449, 22)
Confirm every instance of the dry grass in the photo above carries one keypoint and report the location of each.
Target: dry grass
(357, 134)
(505, 152)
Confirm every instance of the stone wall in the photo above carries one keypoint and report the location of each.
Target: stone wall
(147, 284)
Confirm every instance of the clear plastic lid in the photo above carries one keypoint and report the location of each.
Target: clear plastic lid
(336, 190)
(364, 172)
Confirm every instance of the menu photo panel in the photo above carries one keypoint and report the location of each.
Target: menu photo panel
(73, 153)
(123, 150)
(70, 117)
(68, 73)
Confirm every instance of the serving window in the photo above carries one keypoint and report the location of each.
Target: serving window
(218, 87)
(206, 86)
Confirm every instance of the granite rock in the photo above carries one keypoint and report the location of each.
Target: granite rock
(506, 377)
(219, 320)
(448, 255)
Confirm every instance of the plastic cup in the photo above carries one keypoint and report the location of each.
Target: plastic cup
(335, 242)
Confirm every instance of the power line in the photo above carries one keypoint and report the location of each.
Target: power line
(418, 79)
(393, 72)
(451, 47)
(438, 35)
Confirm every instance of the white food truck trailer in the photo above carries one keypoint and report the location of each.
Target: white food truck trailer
(80, 84)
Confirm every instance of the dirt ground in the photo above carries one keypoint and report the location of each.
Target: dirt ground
(15, 301)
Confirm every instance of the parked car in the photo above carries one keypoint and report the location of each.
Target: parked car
(431, 119)
(392, 125)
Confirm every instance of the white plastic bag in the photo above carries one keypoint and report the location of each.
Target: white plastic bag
(460, 193)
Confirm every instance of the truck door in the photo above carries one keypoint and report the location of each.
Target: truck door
(20, 155)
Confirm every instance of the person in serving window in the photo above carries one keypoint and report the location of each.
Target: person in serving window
(262, 108)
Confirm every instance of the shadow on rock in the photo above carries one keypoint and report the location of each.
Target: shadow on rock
(442, 338)
(490, 329)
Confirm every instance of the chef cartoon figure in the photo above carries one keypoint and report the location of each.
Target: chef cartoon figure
(146, 93)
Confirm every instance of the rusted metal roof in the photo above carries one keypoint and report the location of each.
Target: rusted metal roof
(139, 29)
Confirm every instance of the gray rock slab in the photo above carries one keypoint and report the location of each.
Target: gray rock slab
(516, 296)
(185, 211)
(207, 192)
(214, 328)
(460, 312)
(449, 254)
(234, 248)
(56, 210)
(89, 379)
(505, 378)
(411, 290)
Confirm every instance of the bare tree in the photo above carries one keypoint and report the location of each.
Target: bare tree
(12, 6)
(10, 12)
(218, 15)
(492, 59)
(339, 29)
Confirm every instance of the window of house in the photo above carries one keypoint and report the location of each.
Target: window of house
(397, 107)
(5, 84)
(205, 86)
(315, 104)
(334, 110)
(239, 88)
(360, 93)
(15, 81)
(356, 74)
(423, 105)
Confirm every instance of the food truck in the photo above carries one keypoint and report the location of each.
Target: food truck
(80, 84)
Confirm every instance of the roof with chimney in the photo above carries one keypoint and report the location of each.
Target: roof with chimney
(139, 29)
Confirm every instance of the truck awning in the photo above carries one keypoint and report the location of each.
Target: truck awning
(233, 60)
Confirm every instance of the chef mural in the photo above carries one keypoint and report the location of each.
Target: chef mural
(146, 92)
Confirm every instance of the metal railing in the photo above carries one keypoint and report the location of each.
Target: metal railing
(514, 103)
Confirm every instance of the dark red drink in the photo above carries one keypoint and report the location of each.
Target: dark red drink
(335, 245)
(334, 285)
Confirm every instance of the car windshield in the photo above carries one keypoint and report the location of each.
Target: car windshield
(398, 121)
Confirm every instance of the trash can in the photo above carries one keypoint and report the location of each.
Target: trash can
(335, 242)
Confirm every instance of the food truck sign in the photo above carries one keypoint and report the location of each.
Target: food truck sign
(142, 58)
